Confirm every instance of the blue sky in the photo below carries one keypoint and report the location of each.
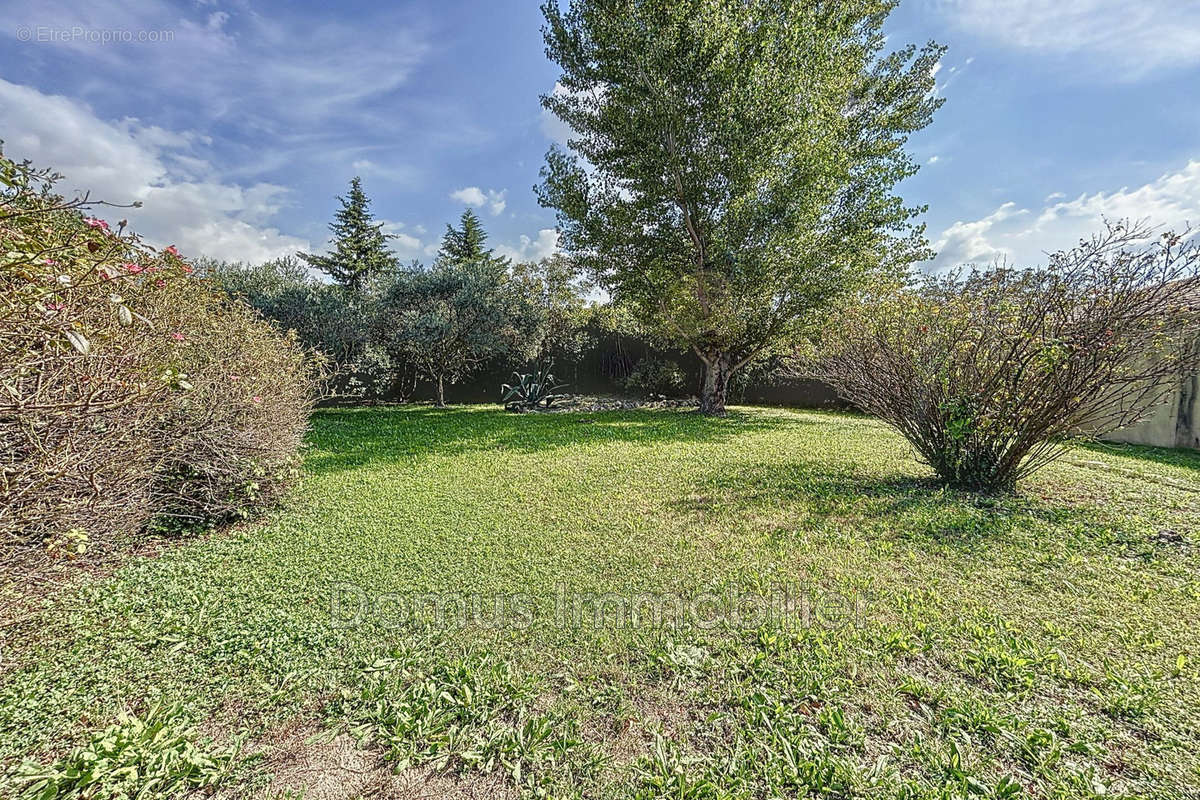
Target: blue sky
(237, 123)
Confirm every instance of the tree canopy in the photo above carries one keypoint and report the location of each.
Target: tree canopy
(452, 318)
(360, 249)
(466, 243)
(731, 166)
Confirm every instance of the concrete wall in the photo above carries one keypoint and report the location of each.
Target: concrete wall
(1173, 424)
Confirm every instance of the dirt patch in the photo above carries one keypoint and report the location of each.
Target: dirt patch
(303, 761)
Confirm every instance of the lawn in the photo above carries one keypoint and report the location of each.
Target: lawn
(643, 604)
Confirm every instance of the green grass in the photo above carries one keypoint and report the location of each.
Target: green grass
(935, 644)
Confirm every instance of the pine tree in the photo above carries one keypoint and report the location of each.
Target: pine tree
(464, 245)
(360, 248)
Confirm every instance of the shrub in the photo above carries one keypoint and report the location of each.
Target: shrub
(228, 445)
(77, 370)
(114, 379)
(329, 319)
(987, 374)
(656, 376)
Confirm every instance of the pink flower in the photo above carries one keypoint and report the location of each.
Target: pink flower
(49, 262)
(177, 336)
(133, 269)
(160, 283)
(257, 399)
(186, 268)
(96, 223)
(172, 251)
(235, 377)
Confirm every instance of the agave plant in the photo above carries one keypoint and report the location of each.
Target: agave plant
(529, 391)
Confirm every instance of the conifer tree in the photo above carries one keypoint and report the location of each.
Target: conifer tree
(465, 244)
(360, 248)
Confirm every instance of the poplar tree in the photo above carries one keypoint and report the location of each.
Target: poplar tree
(731, 163)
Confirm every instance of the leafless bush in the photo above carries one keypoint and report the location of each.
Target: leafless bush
(76, 390)
(987, 374)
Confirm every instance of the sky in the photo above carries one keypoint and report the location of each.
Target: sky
(237, 123)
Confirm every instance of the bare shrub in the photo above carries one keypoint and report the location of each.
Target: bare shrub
(987, 374)
(77, 386)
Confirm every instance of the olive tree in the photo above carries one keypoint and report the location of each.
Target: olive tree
(731, 163)
(464, 311)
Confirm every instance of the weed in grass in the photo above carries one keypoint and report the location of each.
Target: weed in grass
(152, 756)
(1127, 698)
(473, 713)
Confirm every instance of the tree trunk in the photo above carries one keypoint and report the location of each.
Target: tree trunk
(441, 400)
(717, 368)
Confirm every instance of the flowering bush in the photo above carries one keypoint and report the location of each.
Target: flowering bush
(987, 374)
(107, 367)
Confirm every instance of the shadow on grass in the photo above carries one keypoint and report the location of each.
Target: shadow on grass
(356, 437)
(1166, 456)
(897, 505)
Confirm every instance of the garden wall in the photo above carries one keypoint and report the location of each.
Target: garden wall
(1176, 423)
(602, 368)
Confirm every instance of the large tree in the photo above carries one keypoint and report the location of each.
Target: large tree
(732, 162)
(360, 249)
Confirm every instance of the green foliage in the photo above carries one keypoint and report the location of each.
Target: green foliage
(456, 316)
(473, 714)
(338, 324)
(529, 391)
(555, 292)
(656, 376)
(360, 250)
(465, 244)
(154, 756)
(732, 163)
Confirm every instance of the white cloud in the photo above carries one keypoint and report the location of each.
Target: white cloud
(1126, 40)
(366, 168)
(554, 128)
(405, 245)
(474, 196)
(471, 195)
(184, 201)
(544, 246)
(1024, 236)
(496, 202)
(967, 242)
(934, 159)
(252, 63)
